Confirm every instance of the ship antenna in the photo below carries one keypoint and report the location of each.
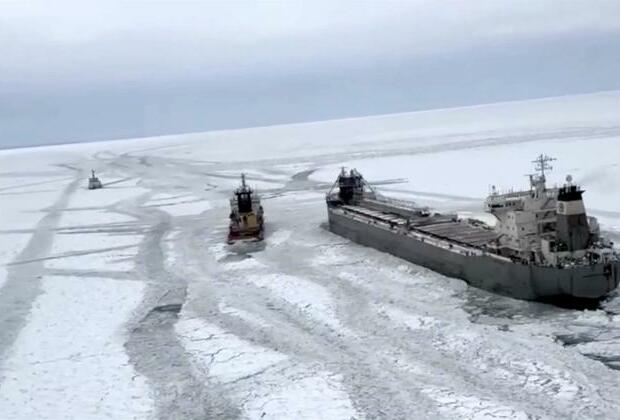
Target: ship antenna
(542, 164)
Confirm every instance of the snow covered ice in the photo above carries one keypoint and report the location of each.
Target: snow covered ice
(125, 302)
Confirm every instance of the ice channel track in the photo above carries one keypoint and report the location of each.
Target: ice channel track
(16, 297)
(402, 341)
(153, 346)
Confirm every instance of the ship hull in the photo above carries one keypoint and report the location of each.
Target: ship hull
(521, 281)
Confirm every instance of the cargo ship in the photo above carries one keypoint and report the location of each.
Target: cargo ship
(246, 215)
(543, 246)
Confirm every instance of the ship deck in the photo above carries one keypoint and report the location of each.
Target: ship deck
(436, 225)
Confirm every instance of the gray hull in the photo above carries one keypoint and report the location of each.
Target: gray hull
(521, 281)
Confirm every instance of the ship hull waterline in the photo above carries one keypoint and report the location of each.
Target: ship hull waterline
(521, 281)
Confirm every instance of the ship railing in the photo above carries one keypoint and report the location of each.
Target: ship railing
(508, 195)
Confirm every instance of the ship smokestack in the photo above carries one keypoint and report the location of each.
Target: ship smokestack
(572, 222)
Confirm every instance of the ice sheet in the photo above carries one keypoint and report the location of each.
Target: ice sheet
(69, 361)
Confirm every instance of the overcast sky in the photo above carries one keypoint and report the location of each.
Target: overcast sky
(91, 70)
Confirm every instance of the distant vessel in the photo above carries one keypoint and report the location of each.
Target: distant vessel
(246, 215)
(542, 247)
(94, 182)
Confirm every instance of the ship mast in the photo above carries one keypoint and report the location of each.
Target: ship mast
(542, 164)
(537, 182)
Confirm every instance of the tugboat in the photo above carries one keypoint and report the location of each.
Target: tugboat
(93, 182)
(246, 215)
(543, 246)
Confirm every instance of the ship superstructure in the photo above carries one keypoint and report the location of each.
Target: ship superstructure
(543, 244)
(546, 225)
(246, 215)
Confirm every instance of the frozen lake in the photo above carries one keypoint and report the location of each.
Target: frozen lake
(125, 302)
